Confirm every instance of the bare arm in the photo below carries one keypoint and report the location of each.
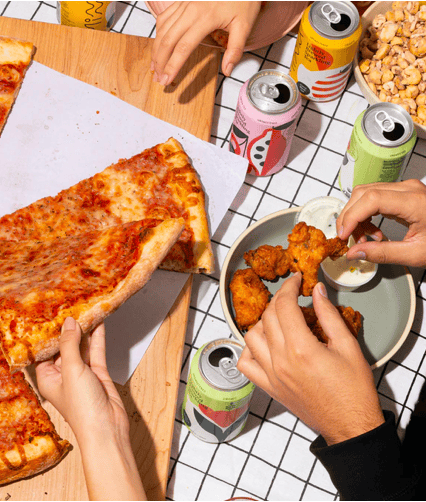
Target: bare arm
(87, 398)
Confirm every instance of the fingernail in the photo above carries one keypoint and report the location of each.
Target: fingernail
(152, 68)
(376, 238)
(69, 324)
(164, 80)
(340, 231)
(359, 255)
(229, 69)
(322, 290)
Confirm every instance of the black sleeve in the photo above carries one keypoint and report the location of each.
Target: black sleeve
(372, 466)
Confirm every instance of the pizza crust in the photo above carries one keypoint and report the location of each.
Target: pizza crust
(14, 51)
(187, 188)
(42, 453)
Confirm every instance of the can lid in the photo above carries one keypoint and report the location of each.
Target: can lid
(335, 20)
(218, 364)
(272, 92)
(387, 124)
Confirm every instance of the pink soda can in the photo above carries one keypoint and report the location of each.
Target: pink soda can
(268, 107)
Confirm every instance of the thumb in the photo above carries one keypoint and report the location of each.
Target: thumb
(329, 317)
(238, 35)
(69, 344)
(384, 252)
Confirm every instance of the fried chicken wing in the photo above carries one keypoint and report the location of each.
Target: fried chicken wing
(352, 318)
(307, 248)
(268, 262)
(250, 297)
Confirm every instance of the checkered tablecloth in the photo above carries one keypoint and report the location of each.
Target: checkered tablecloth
(270, 460)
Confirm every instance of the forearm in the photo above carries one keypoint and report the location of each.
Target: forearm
(370, 466)
(110, 468)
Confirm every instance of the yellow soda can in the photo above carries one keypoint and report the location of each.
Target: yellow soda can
(92, 15)
(325, 49)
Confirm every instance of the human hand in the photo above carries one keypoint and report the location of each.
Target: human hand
(329, 387)
(84, 394)
(86, 397)
(405, 202)
(183, 25)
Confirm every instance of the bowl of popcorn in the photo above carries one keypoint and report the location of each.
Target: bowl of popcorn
(390, 65)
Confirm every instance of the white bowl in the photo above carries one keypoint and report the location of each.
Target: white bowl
(366, 20)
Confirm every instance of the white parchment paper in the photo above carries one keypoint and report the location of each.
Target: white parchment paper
(61, 131)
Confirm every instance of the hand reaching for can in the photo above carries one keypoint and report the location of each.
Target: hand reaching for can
(183, 25)
(405, 202)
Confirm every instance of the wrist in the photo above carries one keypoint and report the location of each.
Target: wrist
(109, 466)
(352, 428)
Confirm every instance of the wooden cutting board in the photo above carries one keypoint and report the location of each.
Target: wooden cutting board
(120, 64)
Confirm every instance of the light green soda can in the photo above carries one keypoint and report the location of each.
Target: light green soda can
(382, 139)
(217, 396)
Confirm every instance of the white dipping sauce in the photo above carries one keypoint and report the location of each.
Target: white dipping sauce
(322, 213)
(350, 272)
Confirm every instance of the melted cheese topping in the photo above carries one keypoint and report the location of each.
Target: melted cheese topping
(21, 416)
(141, 187)
(44, 281)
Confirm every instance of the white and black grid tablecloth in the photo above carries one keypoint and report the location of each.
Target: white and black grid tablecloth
(270, 460)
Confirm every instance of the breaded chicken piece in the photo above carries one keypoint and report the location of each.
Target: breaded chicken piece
(268, 262)
(352, 318)
(307, 248)
(250, 297)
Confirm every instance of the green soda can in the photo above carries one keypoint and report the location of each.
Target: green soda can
(217, 396)
(381, 141)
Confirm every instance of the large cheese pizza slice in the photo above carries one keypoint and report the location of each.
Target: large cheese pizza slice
(29, 443)
(15, 57)
(85, 276)
(159, 183)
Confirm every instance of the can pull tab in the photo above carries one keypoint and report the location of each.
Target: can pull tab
(269, 91)
(330, 13)
(228, 369)
(385, 122)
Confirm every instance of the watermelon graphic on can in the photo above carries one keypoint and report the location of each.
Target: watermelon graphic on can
(265, 120)
(217, 396)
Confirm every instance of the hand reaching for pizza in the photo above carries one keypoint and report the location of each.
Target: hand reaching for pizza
(183, 25)
(330, 387)
(88, 400)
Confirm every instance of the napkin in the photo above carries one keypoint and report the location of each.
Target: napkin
(62, 130)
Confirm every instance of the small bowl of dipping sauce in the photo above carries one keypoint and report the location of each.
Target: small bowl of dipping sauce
(347, 275)
(322, 213)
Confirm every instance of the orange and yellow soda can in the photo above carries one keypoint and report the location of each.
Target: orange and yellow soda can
(92, 15)
(325, 49)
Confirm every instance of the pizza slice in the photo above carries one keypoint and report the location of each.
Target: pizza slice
(29, 443)
(159, 183)
(15, 57)
(86, 276)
